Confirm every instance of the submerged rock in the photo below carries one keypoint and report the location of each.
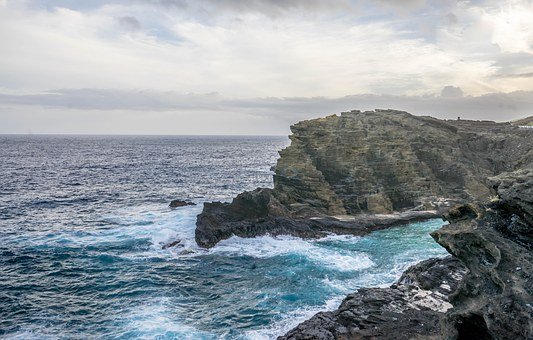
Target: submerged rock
(376, 162)
(171, 244)
(180, 203)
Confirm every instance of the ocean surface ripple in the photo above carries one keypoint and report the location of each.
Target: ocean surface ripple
(83, 218)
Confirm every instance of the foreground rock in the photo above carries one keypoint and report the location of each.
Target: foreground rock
(492, 300)
(410, 308)
(495, 299)
(375, 162)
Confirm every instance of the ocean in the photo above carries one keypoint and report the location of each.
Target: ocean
(83, 219)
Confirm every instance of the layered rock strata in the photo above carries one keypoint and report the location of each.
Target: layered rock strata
(346, 173)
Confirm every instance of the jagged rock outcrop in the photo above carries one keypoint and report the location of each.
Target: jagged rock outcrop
(375, 162)
(492, 300)
(258, 212)
(495, 300)
(528, 121)
(410, 308)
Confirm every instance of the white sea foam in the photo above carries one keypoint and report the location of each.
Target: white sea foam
(155, 320)
(291, 320)
(267, 246)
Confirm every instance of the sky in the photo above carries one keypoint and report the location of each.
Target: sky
(255, 67)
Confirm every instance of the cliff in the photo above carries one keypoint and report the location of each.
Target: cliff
(438, 298)
(389, 160)
(362, 171)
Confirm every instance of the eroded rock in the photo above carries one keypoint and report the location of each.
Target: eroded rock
(258, 212)
(496, 296)
(411, 308)
(483, 292)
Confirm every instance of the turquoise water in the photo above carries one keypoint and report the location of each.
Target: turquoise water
(81, 253)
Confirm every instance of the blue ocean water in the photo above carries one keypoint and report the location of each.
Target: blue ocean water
(82, 220)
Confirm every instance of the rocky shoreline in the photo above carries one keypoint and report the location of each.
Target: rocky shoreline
(364, 171)
(413, 306)
(250, 215)
(483, 292)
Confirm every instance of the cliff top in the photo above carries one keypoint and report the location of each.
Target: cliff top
(528, 121)
(404, 117)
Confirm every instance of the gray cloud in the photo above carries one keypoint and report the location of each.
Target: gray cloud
(268, 7)
(493, 106)
(512, 63)
(451, 92)
(129, 23)
(451, 19)
(404, 4)
(516, 75)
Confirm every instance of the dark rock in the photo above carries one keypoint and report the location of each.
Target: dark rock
(171, 244)
(441, 275)
(495, 298)
(461, 212)
(258, 212)
(411, 308)
(180, 203)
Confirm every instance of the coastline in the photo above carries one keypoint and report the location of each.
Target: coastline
(416, 168)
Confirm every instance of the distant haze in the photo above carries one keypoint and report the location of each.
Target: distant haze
(255, 67)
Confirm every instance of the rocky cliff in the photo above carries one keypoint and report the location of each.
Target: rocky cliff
(439, 299)
(365, 170)
(389, 160)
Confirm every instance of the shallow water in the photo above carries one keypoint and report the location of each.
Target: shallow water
(82, 221)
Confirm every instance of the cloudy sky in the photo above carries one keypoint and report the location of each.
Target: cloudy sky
(256, 66)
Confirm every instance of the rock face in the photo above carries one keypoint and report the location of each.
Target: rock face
(375, 162)
(439, 299)
(410, 308)
(495, 299)
(258, 212)
(389, 160)
(528, 121)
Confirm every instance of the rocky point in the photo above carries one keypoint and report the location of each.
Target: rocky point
(361, 171)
